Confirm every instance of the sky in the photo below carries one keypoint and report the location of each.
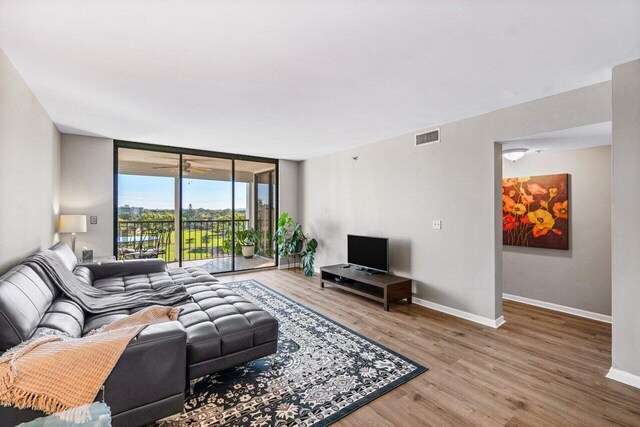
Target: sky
(157, 192)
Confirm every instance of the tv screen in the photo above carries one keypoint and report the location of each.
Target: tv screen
(368, 252)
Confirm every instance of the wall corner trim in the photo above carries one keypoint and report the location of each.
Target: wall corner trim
(557, 307)
(493, 323)
(624, 377)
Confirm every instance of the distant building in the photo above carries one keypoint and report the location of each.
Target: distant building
(131, 209)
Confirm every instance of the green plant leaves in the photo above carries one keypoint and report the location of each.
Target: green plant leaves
(307, 257)
(291, 240)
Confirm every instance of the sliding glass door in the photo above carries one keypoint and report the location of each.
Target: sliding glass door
(255, 184)
(207, 207)
(194, 208)
(147, 200)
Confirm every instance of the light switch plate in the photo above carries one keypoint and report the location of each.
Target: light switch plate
(93, 220)
(436, 224)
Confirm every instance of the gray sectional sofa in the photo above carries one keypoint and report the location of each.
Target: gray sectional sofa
(217, 329)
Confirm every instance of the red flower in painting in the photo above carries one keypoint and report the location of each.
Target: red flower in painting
(507, 203)
(508, 223)
(561, 209)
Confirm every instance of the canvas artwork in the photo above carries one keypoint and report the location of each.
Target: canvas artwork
(535, 211)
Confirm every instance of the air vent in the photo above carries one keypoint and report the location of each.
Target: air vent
(430, 137)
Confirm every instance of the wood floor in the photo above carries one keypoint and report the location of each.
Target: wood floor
(541, 368)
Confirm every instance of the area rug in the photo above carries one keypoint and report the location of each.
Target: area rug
(322, 372)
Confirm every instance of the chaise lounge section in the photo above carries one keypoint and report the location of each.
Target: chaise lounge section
(216, 330)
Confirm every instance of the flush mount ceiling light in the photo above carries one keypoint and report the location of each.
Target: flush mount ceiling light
(514, 154)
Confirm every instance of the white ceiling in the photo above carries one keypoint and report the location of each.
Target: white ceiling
(298, 79)
(589, 136)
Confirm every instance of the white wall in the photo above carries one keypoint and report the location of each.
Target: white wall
(580, 277)
(87, 189)
(626, 227)
(29, 170)
(395, 189)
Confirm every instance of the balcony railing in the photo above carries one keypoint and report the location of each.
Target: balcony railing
(201, 239)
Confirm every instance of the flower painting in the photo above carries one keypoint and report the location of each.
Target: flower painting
(535, 211)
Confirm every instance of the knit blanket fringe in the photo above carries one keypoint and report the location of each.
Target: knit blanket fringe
(54, 373)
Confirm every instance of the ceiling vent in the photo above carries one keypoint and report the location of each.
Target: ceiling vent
(430, 137)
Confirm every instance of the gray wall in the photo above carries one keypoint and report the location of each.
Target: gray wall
(288, 181)
(580, 277)
(29, 170)
(87, 189)
(626, 227)
(289, 189)
(395, 189)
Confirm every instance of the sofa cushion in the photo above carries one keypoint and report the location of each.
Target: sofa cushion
(84, 275)
(66, 254)
(220, 322)
(180, 276)
(191, 275)
(24, 299)
(64, 316)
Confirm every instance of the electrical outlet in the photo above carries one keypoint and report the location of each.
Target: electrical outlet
(93, 220)
(436, 224)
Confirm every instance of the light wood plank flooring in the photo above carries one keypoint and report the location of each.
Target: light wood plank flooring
(540, 368)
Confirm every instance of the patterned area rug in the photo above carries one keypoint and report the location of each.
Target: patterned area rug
(322, 372)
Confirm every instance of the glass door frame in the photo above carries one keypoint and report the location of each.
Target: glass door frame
(256, 213)
(117, 144)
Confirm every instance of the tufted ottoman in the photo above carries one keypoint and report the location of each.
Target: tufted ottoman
(223, 328)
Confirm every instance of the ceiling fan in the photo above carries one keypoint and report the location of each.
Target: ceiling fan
(186, 168)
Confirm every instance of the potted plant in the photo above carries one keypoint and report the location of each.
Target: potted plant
(248, 239)
(291, 242)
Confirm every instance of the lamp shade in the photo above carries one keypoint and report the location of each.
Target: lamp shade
(73, 224)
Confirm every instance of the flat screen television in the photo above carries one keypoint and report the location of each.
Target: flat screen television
(371, 253)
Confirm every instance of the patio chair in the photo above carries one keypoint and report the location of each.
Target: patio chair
(135, 249)
(157, 243)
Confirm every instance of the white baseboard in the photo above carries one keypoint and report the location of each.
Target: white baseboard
(624, 377)
(561, 308)
(494, 323)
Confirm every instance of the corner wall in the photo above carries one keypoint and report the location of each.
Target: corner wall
(395, 189)
(87, 189)
(29, 170)
(580, 277)
(288, 197)
(625, 224)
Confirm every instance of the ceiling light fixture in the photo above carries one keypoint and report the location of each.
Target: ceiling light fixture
(514, 154)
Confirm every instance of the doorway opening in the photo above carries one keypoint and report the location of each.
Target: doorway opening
(556, 221)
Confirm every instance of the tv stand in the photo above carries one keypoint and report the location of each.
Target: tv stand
(384, 288)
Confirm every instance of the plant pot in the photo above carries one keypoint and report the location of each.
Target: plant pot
(248, 251)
